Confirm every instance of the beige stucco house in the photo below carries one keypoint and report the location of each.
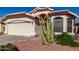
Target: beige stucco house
(26, 24)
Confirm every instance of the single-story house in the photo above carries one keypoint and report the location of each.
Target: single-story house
(26, 24)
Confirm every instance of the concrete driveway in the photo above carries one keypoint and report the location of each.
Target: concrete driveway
(4, 39)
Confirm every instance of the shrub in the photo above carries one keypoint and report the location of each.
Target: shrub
(65, 39)
(8, 47)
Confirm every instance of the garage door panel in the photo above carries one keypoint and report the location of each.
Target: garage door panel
(25, 29)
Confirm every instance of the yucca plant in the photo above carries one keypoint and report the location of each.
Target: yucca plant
(46, 29)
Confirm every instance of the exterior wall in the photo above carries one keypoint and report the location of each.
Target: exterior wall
(25, 29)
(76, 28)
(73, 26)
(0, 28)
(64, 23)
(37, 28)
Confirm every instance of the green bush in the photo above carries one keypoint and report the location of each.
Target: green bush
(8, 47)
(65, 39)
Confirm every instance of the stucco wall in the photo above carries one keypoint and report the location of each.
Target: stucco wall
(37, 28)
(0, 28)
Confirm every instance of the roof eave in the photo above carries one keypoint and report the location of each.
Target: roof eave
(8, 16)
(64, 12)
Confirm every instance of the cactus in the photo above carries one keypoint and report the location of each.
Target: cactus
(49, 30)
(46, 29)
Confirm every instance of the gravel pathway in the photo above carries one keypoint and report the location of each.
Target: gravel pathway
(36, 45)
(4, 39)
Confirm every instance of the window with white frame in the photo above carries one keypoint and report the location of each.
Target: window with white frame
(58, 24)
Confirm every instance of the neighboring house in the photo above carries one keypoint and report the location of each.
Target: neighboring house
(26, 24)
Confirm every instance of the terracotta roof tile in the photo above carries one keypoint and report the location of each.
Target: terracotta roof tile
(17, 15)
(65, 12)
(39, 10)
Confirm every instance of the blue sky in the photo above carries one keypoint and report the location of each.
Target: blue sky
(8, 10)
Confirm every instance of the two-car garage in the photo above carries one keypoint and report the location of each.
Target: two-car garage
(22, 26)
(23, 29)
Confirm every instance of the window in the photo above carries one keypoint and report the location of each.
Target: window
(69, 25)
(58, 24)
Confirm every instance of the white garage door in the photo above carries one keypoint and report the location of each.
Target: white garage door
(23, 29)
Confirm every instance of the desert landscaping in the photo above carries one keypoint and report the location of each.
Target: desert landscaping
(42, 29)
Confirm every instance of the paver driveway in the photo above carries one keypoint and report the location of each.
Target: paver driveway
(4, 39)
